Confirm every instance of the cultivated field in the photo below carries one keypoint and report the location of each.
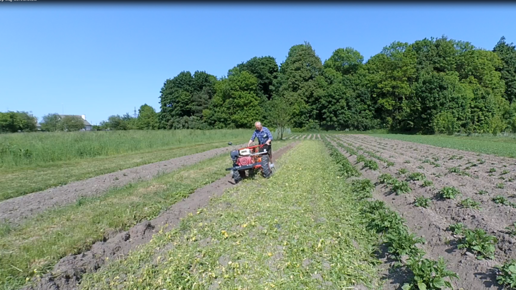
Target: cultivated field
(462, 203)
(33, 162)
(342, 211)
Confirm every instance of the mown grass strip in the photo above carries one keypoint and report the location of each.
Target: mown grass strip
(23, 181)
(300, 229)
(33, 247)
(40, 149)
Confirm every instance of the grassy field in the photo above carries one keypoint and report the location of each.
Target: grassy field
(22, 181)
(36, 245)
(500, 146)
(72, 229)
(41, 149)
(301, 229)
(60, 158)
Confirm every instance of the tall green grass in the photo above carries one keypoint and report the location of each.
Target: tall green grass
(28, 149)
(501, 146)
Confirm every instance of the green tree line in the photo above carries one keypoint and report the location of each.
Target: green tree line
(434, 85)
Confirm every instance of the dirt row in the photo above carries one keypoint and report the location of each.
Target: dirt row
(431, 223)
(308, 137)
(16, 209)
(68, 271)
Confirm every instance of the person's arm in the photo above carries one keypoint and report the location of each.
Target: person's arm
(270, 137)
(252, 139)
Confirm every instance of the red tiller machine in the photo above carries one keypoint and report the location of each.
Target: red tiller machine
(252, 159)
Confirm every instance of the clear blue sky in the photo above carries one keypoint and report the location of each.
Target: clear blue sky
(102, 60)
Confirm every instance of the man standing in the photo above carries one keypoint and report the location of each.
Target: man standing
(264, 137)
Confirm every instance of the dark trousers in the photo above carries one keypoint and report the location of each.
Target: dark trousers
(269, 150)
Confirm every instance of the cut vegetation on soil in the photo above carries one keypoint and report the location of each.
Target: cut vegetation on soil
(299, 229)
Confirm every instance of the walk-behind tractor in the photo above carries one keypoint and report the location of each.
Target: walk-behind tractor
(250, 159)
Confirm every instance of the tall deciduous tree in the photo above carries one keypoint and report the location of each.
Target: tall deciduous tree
(71, 123)
(279, 113)
(11, 122)
(185, 96)
(265, 69)
(345, 61)
(507, 53)
(147, 118)
(51, 122)
(236, 103)
(298, 82)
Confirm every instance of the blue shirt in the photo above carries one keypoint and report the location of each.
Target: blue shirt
(262, 135)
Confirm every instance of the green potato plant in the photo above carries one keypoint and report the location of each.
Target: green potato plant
(427, 183)
(429, 274)
(402, 243)
(506, 275)
(386, 178)
(400, 187)
(422, 201)
(470, 203)
(478, 242)
(449, 192)
(416, 176)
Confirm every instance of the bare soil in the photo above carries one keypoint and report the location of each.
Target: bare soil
(16, 209)
(68, 271)
(431, 223)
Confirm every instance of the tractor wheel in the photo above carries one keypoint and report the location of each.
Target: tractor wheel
(237, 177)
(266, 170)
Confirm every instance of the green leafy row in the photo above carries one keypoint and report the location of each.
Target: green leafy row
(346, 168)
(427, 274)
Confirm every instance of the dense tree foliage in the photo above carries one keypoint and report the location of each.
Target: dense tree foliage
(11, 122)
(56, 122)
(147, 118)
(434, 85)
(184, 100)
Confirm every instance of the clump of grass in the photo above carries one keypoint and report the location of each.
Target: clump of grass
(482, 192)
(492, 170)
(500, 185)
(402, 171)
